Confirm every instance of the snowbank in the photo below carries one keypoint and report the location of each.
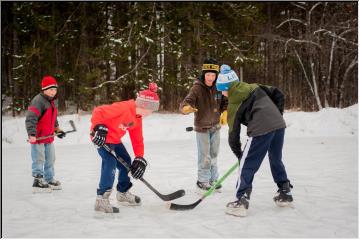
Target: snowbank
(166, 127)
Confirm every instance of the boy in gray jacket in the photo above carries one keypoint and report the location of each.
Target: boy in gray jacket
(41, 122)
(260, 108)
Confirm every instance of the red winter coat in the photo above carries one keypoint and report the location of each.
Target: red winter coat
(120, 117)
(41, 118)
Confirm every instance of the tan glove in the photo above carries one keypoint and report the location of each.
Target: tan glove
(223, 118)
(188, 109)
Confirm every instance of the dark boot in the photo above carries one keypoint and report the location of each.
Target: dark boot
(283, 197)
(40, 186)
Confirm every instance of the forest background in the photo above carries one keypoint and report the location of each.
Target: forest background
(102, 52)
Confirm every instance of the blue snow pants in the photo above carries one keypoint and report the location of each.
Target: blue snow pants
(108, 169)
(253, 155)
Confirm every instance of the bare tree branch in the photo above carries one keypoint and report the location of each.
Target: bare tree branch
(68, 20)
(298, 5)
(291, 20)
(124, 75)
(301, 41)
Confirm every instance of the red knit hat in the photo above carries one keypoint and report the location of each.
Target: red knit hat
(148, 99)
(48, 82)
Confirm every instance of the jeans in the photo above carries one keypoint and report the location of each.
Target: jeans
(43, 159)
(109, 165)
(208, 148)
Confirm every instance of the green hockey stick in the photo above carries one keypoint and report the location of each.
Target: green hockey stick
(180, 207)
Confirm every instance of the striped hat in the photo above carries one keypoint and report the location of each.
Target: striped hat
(225, 78)
(48, 82)
(148, 98)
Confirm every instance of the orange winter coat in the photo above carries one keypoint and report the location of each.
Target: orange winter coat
(120, 117)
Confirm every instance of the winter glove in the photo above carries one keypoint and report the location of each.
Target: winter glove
(60, 133)
(188, 109)
(223, 118)
(138, 167)
(100, 135)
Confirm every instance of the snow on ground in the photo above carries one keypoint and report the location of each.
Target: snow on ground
(320, 155)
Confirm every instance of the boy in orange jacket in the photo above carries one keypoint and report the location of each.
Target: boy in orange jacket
(109, 123)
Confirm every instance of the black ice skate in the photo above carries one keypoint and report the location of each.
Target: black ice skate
(203, 185)
(238, 208)
(40, 186)
(218, 187)
(283, 197)
(55, 185)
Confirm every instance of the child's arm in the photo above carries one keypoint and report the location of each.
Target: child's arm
(234, 139)
(33, 114)
(188, 105)
(136, 137)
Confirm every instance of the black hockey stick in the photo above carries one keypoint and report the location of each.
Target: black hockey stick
(167, 197)
(181, 207)
(55, 134)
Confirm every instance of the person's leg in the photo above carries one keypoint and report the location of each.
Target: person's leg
(108, 169)
(38, 159)
(124, 183)
(123, 195)
(204, 160)
(283, 197)
(253, 155)
(214, 151)
(275, 157)
(49, 162)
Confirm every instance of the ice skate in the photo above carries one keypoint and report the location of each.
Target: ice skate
(283, 197)
(102, 204)
(128, 199)
(218, 187)
(202, 187)
(55, 185)
(40, 186)
(238, 208)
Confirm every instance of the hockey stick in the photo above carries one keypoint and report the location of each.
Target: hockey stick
(180, 207)
(167, 197)
(55, 134)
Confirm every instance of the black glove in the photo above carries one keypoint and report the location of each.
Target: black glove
(138, 167)
(60, 133)
(100, 135)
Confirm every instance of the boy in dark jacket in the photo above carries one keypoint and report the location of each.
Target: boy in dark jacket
(207, 104)
(41, 121)
(260, 108)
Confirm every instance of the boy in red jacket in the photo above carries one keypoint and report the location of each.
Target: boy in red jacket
(109, 123)
(41, 120)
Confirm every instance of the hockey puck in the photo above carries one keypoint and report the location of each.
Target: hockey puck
(189, 129)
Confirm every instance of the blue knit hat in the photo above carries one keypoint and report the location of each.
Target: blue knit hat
(226, 77)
